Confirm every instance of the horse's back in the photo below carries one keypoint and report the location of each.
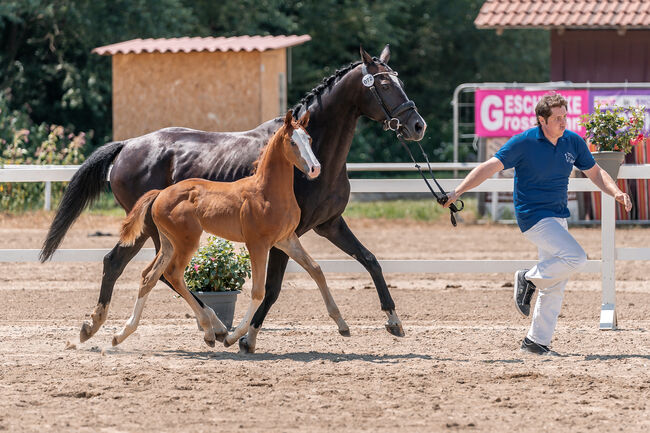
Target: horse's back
(167, 156)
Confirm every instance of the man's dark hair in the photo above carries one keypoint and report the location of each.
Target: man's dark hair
(548, 102)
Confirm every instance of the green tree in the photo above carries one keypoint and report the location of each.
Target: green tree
(46, 62)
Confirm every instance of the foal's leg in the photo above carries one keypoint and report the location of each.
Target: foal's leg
(259, 255)
(293, 248)
(114, 263)
(277, 264)
(213, 328)
(150, 277)
(337, 231)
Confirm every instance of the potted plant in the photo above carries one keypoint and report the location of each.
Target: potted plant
(216, 274)
(613, 131)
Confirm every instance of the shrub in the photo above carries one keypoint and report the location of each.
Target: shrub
(22, 142)
(216, 267)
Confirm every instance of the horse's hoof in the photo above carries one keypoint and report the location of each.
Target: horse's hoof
(85, 333)
(220, 337)
(344, 332)
(227, 342)
(244, 347)
(395, 329)
(210, 343)
(115, 342)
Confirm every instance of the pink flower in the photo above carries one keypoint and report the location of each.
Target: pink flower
(196, 267)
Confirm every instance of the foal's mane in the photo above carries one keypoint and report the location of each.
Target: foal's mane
(256, 163)
(326, 84)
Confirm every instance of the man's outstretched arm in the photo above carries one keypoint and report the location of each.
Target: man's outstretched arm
(475, 177)
(606, 184)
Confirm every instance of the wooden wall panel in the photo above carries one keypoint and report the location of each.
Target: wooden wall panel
(274, 93)
(600, 56)
(208, 91)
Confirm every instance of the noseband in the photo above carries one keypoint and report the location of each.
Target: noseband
(392, 122)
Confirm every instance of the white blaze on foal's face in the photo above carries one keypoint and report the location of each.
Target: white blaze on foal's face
(301, 139)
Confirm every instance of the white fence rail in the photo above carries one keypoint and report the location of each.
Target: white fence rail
(605, 266)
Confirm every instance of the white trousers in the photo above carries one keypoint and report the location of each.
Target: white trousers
(560, 256)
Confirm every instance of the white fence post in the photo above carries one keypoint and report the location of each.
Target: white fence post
(608, 275)
(48, 195)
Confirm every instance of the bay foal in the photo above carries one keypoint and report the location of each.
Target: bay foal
(260, 211)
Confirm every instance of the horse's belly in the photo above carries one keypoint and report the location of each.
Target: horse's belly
(227, 228)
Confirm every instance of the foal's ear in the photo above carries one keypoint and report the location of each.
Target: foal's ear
(304, 120)
(385, 54)
(288, 118)
(367, 58)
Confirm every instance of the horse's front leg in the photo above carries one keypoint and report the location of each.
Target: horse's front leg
(277, 264)
(259, 256)
(338, 232)
(294, 249)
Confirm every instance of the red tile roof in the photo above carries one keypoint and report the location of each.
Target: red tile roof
(186, 45)
(570, 14)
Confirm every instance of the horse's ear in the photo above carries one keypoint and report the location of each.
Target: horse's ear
(385, 54)
(304, 120)
(367, 58)
(288, 118)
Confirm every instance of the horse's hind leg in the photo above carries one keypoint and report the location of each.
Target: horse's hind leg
(259, 255)
(293, 248)
(150, 277)
(114, 263)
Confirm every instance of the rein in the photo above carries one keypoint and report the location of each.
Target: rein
(392, 122)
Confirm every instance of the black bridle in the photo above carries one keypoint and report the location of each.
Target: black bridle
(392, 122)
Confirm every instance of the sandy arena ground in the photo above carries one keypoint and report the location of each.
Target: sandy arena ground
(457, 369)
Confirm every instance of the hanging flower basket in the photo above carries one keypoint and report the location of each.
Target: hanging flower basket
(614, 132)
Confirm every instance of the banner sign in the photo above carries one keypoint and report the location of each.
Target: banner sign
(623, 98)
(504, 113)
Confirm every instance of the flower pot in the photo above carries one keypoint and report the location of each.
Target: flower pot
(610, 161)
(223, 304)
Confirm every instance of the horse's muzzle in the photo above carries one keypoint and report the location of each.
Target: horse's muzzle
(413, 129)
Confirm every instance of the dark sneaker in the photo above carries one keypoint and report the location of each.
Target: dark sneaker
(524, 290)
(531, 347)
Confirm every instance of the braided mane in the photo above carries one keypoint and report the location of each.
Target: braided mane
(326, 84)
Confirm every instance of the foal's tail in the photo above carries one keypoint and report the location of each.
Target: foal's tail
(84, 187)
(133, 224)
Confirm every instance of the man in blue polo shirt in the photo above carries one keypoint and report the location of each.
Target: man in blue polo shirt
(543, 158)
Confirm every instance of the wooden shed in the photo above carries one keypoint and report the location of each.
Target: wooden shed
(603, 41)
(213, 84)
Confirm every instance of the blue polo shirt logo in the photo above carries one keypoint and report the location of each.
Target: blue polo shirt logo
(570, 158)
(542, 171)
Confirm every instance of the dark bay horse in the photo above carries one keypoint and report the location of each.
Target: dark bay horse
(260, 211)
(165, 157)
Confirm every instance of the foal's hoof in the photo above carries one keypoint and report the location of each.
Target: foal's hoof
(220, 337)
(227, 342)
(86, 332)
(209, 342)
(344, 332)
(395, 329)
(244, 346)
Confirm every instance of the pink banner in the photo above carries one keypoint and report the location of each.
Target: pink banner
(504, 113)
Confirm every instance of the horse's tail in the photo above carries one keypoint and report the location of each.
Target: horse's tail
(133, 224)
(84, 187)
